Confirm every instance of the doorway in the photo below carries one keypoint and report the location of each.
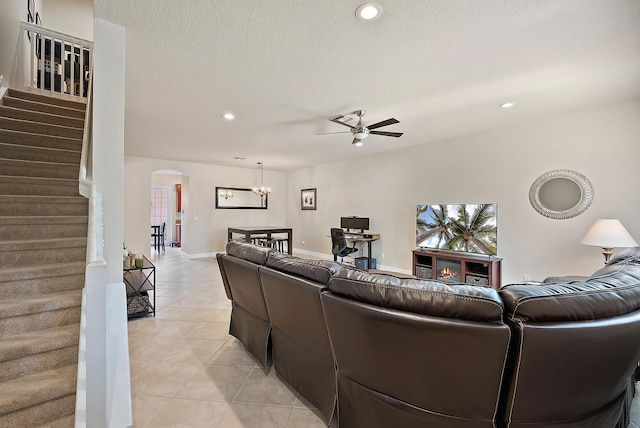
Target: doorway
(161, 211)
(169, 197)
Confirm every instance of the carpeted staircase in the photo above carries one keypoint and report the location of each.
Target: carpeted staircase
(43, 229)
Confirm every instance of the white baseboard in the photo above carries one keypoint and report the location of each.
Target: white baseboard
(199, 255)
(321, 256)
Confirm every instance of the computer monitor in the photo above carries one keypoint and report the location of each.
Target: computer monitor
(353, 222)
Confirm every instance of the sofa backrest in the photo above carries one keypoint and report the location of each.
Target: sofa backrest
(426, 297)
(319, 271)
(292, 288)
(576, 346)
(239, 268)
(250, 252)
(301, 348)
(410, 350)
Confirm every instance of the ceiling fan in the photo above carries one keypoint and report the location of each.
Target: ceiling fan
(359, 131)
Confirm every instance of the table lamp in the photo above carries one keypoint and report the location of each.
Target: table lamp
(608, 233)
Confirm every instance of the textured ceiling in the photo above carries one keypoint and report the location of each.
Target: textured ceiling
(440, 67)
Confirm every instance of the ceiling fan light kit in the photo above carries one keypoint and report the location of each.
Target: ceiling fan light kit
(360, 131)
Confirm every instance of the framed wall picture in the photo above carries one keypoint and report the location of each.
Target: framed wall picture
(308, 199)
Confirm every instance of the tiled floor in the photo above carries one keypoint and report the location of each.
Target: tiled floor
(187, 371)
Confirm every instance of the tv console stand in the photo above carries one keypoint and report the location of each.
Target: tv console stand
(450, 266)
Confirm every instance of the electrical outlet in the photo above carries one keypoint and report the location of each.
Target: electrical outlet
(303, 243)
(527, 277)
(382, 255)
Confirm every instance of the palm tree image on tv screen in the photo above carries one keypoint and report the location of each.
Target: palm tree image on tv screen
(458, 227)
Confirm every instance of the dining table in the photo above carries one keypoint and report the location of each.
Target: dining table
(250, 232)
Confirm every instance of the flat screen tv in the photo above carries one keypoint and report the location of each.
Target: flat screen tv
(469, 228)
(361, 223)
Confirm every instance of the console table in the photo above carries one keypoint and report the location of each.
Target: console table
(450, 266)
(138, 282)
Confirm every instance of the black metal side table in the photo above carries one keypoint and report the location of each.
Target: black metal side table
(138, 282)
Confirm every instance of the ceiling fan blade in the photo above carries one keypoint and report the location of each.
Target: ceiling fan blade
(383, 123)
(357, 141)
(387, 134)
(329, 133)
(335, 120)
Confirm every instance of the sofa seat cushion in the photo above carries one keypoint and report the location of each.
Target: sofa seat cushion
(611, 291)
(458, 301)
(319, 271)
(250, 252)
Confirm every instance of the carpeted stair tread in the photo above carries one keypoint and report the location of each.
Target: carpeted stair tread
(42, 227)
(27, 138)
(34, 342)
(24, 104)
(37, 244)
(41, 413)
(27, 253)
(28, 305)
(41, 271)
(18, 185)
(40, 128)
(28, 168)
(48, 220)
(66, 422)
(40, 117)
(39, 154)
(32, 390)
(42, 205)
(40, 279)
(15, 93)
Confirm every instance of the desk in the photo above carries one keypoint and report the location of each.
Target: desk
(138, 281)
(367, 237)
(250, 231)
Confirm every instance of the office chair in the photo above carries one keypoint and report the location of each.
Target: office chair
(339, 245)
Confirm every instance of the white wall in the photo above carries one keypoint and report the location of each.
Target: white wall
(73, 17)
(204, 228)
(108, 138)
(498, 166)
(12, 12)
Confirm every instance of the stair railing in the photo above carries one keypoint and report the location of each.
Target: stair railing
(54, 63)
(85, 174)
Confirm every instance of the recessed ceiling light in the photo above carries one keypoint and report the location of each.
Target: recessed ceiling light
(507, 104)
(228, 116)
(368, 12)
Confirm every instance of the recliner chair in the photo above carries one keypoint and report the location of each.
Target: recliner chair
(339, 245)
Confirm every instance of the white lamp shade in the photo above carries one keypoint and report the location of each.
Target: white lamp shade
(608, 233)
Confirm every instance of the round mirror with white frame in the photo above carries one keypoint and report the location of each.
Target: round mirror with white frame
(561, 194)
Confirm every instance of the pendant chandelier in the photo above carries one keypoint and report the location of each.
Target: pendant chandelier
(262, 190)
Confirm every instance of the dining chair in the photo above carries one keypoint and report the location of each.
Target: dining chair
(158, 238)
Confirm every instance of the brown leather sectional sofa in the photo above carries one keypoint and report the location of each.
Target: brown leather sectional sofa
(373, 350)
